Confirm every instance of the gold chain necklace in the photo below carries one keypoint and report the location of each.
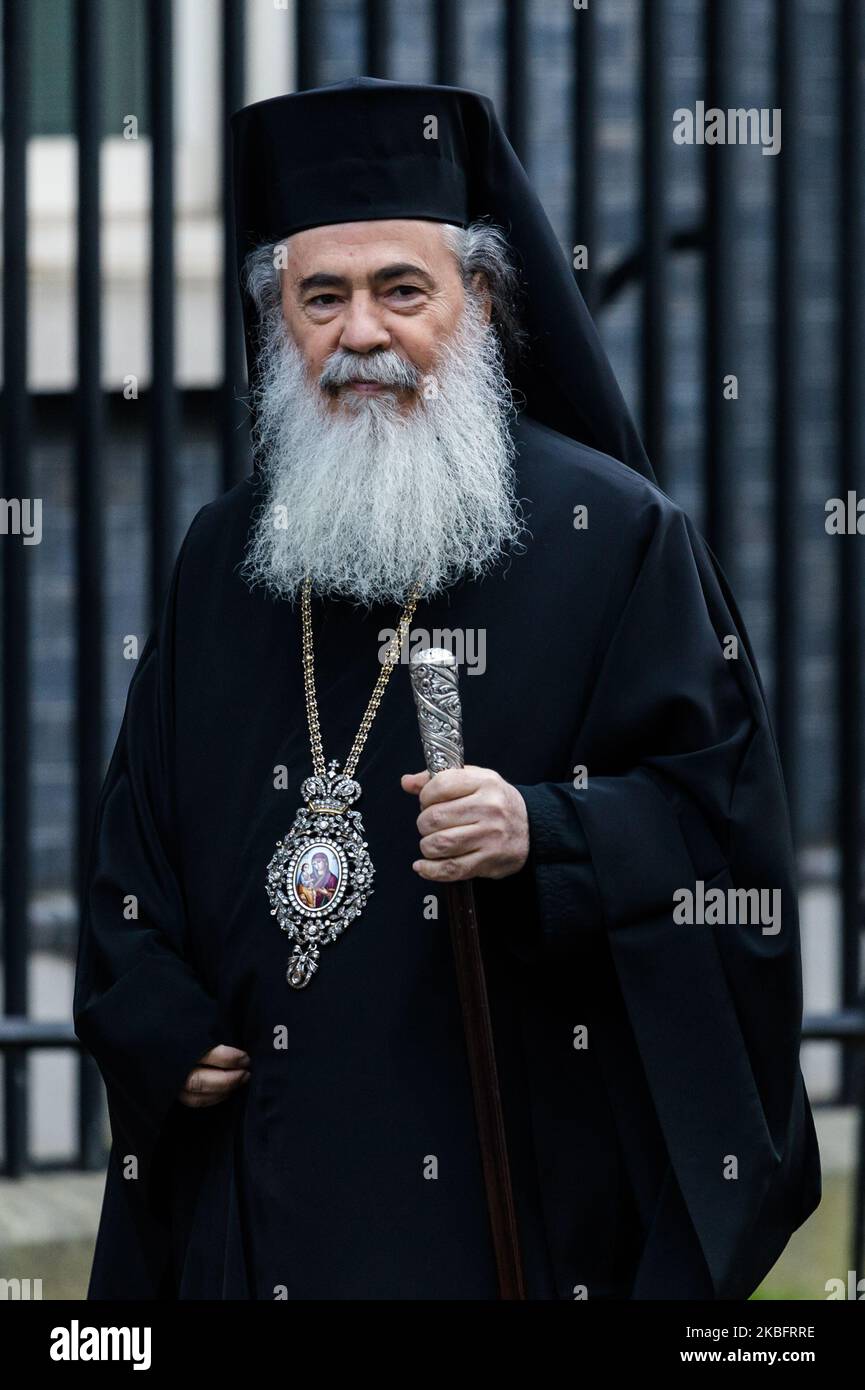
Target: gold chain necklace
(320, 877)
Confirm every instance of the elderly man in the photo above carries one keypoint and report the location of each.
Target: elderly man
(439, 442)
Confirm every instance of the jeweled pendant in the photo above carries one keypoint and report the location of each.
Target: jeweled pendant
(320, 877)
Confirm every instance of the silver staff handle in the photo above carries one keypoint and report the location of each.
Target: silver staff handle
(433, 674)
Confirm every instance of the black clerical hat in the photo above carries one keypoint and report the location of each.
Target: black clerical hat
(368, 148)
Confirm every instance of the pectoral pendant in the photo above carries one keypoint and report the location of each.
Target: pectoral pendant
(320, 877)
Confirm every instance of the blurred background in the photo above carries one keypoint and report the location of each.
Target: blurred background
(726, 282)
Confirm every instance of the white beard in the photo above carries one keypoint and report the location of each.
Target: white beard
(371, 500)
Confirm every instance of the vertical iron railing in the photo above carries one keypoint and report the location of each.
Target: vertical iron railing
(851, 478)
(719, 287)
(446, 37)
(516, 76)
(307, 43)
(377, 38)
(90, 508)
(787, 419)
(584, 212)
(233, 442)
(655, 132)
(163, 391)
(16, 561)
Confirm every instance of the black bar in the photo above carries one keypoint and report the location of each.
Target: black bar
(447, 42)
(19, 1034)
(720, 290)
(307, 40)
(851, 615)
(656, 137)
(584, 215)
(786, 409)
(516, 76)
(16, 587)
(377, 38)
(629, 268)
(845, 1024)
(234, 437)
(163, 395)
(90, 679)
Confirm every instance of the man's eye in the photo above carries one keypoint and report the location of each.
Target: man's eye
(323, 299)
(405, 290)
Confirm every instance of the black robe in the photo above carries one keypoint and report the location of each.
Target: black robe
(603, 649)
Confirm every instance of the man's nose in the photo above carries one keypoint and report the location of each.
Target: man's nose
(363, 329)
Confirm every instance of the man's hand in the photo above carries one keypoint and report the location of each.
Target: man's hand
(217, 1076)
(472, 823)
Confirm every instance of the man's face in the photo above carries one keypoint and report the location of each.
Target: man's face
(377, 492)
(366, 287)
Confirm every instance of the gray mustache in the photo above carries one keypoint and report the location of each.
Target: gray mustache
(384, 368)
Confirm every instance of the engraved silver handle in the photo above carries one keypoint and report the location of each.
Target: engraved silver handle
(433, 674)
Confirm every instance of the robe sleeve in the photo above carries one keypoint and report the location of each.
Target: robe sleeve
(683, 785)
(669, 724)
(139, 1006)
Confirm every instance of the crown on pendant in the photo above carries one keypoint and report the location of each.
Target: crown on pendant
(332, 792)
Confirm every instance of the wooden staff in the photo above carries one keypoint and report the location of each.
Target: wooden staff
(434, 682)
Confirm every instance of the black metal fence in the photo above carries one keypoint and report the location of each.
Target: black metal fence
(646, 265)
